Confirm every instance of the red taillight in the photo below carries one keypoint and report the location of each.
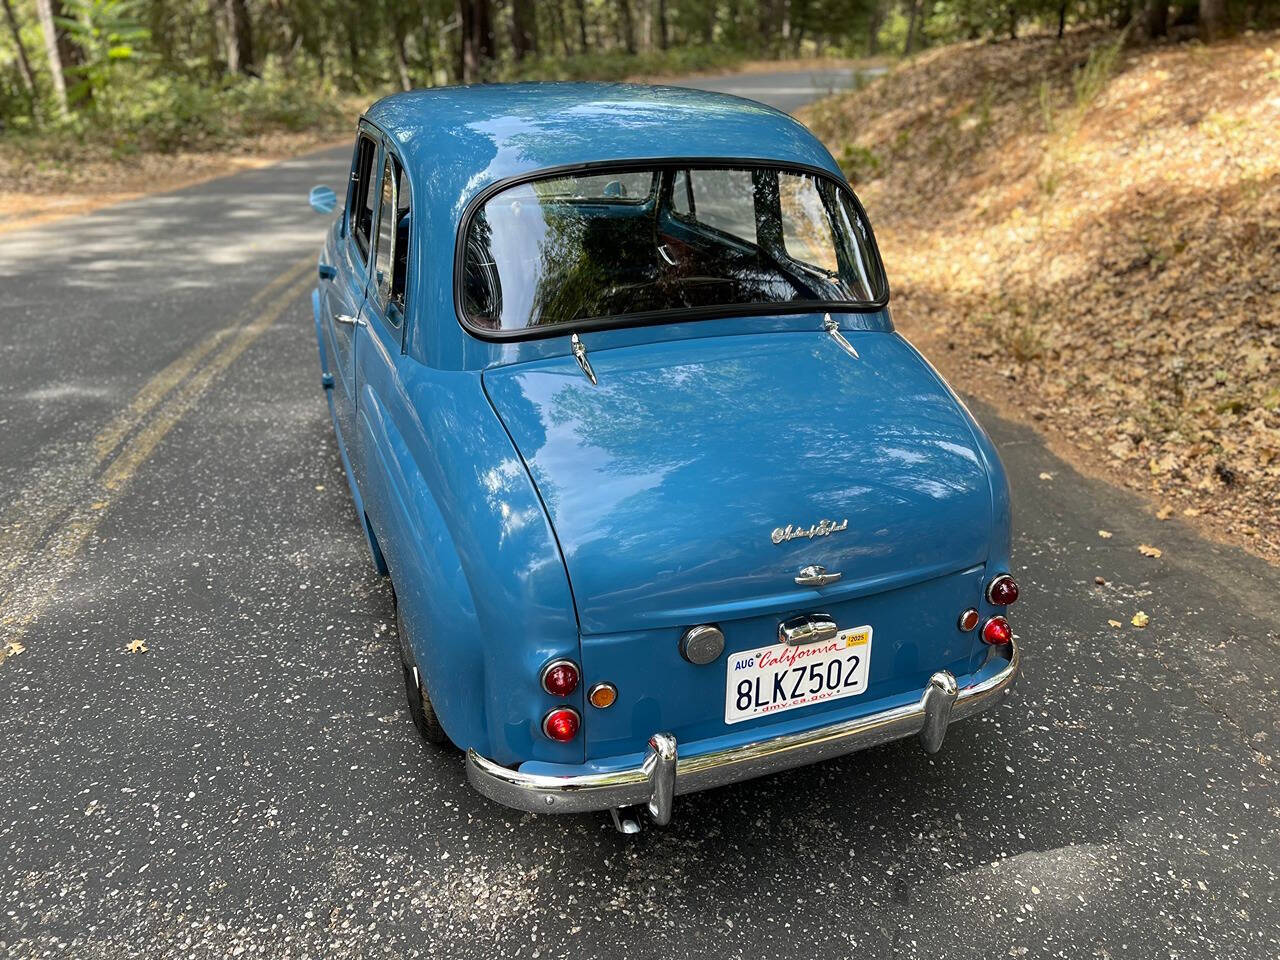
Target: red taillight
(1003, 590)
(996, 631)
(561, 724)
(560, 678)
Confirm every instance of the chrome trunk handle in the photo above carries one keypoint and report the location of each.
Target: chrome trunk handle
(815, 575)
(810, 628)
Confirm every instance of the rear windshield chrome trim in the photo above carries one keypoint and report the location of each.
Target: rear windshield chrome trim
(656, 317)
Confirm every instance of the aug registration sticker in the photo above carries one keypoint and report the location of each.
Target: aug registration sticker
(773, 679)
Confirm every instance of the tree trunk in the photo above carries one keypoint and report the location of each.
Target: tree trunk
(402, 61)
(239, 37)
(1157, 18)
(626, 26)
(44, 9)
(524, 29)
(875, 19)
(646, 25)
(1013, 22)
(467, 59)
(1062, 19)
(911, 28)
(1213, 19)
(582, 26)
(24, 64)
(477, 39)
(664, 38)
(486, 42)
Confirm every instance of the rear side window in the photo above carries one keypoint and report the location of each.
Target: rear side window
(382, 265)
(724, 200)
(362, 202)
(391, 258)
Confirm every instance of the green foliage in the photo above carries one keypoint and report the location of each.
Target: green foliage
(156, 72)
(108, 33)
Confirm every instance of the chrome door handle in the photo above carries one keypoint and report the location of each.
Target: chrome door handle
(810, 628)
(816, 575)
(350, 321)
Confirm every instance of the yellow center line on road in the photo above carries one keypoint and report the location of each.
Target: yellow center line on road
(172, 394)
(51, 494)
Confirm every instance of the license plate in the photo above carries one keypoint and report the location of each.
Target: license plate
(770, 680)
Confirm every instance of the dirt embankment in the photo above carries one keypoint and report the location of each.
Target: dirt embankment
(1089, 235)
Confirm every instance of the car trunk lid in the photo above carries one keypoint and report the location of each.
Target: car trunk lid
(697, 477)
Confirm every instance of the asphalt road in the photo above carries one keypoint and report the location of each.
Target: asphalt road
(251, 783)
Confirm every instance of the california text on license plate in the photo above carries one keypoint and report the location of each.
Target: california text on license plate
(782, 677)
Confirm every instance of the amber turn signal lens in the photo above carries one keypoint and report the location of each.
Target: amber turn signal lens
(997, 631)
(602, 695)
(560, 678)
(968, 620)
(1003, 590)
(561, 724)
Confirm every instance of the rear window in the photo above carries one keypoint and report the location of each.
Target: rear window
(670, 240)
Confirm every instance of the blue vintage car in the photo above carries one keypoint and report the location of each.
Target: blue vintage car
(665, 501)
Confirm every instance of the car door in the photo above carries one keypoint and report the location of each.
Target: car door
(343, 298)
(385, 302)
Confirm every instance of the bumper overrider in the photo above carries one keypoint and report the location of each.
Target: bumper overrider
(663, 774)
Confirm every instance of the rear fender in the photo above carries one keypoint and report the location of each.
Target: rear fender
(482, 588)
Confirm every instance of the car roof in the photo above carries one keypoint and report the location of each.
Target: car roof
(455, 141)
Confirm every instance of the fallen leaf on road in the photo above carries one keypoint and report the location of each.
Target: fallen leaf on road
(13, 649)
(137, 646)
(1140, 619)
(1105, 534)
(1100, 581)
(319, 486)
(1045, 475)
(1164, 513)
(1114, 624)
(1149, 551)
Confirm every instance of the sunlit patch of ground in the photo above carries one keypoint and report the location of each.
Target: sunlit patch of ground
(37, 193)
(1090, 236)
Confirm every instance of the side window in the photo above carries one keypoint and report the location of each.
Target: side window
(400, 272)
(382, 264)
(725, 201)
(362, 200)
(682, 194)
(806, 224)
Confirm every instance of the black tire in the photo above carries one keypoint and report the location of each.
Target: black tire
(420, 708)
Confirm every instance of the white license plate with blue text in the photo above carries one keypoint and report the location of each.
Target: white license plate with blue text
(769, 680)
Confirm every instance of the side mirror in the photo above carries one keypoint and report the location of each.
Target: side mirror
(322, 199)
(614, 189)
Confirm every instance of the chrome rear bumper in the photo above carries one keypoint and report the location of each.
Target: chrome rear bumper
(664, 774)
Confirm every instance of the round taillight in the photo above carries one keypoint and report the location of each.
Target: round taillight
(1003, 590)
(968, 620)
(997, 631)
(560, 678)
(561, 724)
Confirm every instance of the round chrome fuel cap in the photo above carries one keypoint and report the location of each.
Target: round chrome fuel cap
(702, 644)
